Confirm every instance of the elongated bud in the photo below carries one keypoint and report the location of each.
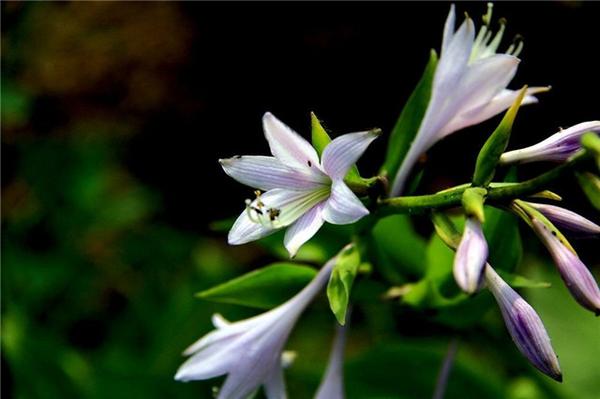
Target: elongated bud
(558, 147)
(567, 219)
(471, 254)
(524, 326)
(574, 273)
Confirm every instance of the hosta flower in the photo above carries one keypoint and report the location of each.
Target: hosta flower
(567, 219)
(332, 385)
(574, 273)
(302, 191)
(249, 351)
(470, 258)
(558, 147)
(469, 87)
(524, 325)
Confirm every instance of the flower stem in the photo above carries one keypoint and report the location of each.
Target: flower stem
(442, 380)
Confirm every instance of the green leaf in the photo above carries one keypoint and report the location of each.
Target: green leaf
(590, 184)
(488, 157)
(518, 281)
(410, 119)
(341, 280)
(263, 288)
(501, 230)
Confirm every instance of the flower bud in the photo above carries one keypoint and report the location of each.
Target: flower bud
(471, 254)
(574, 273)
(524, 325)
(567, 219)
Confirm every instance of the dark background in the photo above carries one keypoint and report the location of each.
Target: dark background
(114, 116)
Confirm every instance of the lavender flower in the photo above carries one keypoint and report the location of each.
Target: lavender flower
(558, 147)
(469, 87)
(574, 273)
(471, 254)
(567, 219)
(301, 191)
(332, 385)
(249, 351)
(524, 325)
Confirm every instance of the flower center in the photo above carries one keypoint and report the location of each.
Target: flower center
(484, 46)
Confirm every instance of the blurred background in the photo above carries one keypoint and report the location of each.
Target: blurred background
(113, 118)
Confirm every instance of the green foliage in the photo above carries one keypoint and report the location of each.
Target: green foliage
(590, 184)
(264, 288)
(408, 123)
(501, 230)
(496, 144)
(341, 280)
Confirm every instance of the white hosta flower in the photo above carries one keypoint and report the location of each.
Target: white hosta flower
(470, 258)
(250, 351)
(524, 325)
(302, 192)
(574, 272)
(469, 87)
(556, 148)
(332, 385)
(567, 219)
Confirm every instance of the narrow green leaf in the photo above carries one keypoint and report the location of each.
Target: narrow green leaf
(518, 281)
(340, 282)
(410, 119)
(488, 157)
(590, 184)
(264, 288)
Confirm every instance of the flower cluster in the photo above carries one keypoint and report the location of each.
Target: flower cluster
(299, 190)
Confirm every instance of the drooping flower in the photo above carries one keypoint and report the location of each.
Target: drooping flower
(469, 87)
(470, 258)
(249, 351)
(302, 192)
(332, 385)
(567, 219)
(524, 325)
(573, 271)
(557, 148)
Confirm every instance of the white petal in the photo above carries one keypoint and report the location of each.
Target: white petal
(266, 173)
(453, 62)
(449, 28)
(343, 207)
(275, 385)
(245, 230)
(211, 362)
(303, 229)
(470, 258)
(287, 145)
(332, 384)
(219, 321)
(344, 151)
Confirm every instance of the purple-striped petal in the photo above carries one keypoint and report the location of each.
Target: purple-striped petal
(524, 325)
(343, 152)
(245, 230)
(288, 146)
(266, 173)
(470, 258)
(574, 273)
(303, 229)
(567, 219)
(343, 206)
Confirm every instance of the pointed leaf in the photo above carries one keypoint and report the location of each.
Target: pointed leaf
(410, 119)
(488, 157)
(264, 288)
(340, 282)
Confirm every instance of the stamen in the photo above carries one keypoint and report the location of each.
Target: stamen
(493, 46)
(487, 18)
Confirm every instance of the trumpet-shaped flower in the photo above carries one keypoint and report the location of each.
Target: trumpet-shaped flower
(573, 271)
(524, 325)
(469, 87)
(249, 351)
(470, 258)
(557, 148)
(332, 385)
(302, 192)
(567, 219)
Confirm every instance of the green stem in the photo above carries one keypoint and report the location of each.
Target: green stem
(497, 192)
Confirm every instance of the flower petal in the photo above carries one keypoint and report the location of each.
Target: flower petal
(245, 230)
(303, 229)
(344, 151)
(449, 28)
(453, 62)
(343, 207)
(567, 219)
(275, 384)
(471, 254)
(288, 146)
(332, 384)
(266, 173)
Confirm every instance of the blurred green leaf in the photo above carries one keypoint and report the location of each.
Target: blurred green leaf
(518, 281)
(590, 184)
(263, 288)
(341, 280)
(408, 123)
(501, 231)
(16, 105)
